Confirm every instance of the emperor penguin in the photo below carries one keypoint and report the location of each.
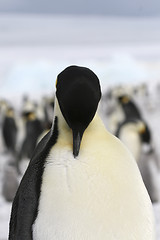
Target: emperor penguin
(133, 114)
(9, 130)
(133, 133)
(81, 183)
(33, 129)
(10, 181)
(130, 109)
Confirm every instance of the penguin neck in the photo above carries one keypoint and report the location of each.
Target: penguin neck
(65, 133)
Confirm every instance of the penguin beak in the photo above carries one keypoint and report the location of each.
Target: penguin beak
(77, 137)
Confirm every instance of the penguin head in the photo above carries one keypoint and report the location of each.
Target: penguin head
(78, 92)
(10, 112)
(29, 116)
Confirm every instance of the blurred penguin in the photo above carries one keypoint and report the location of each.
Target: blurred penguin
(130, 109)
(10, 182)
(3, 107)
(110, 111)
(33, 130)
(27, 107)
(9, 130)
(48, 106)
(132, 114)
(133, 133)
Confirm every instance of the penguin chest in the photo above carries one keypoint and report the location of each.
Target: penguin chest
(78, 201)
(67, 208)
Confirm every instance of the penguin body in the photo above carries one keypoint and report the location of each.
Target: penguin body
(10, 182)
(130, 109)
(33, 129)
(130, 132)
(134, 133)
(81, 183)
(133, 114)
(9, 130)
(91, 192)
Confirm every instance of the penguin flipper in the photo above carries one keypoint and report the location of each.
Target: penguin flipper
(24, 208)
(25, 204)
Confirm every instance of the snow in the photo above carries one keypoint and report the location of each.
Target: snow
(34, 49)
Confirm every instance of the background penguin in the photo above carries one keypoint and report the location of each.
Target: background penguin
(111, 111)
(134, 133)
(27, 107)
(10, 182)
(9, 130)
(32, 125)
(33, 129)
(76, 185)
(131, 114)
(130, 109)
(48, 106)
(130, 132)
(3, 106)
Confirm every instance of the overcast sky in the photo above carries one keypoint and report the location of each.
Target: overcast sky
(98, 7)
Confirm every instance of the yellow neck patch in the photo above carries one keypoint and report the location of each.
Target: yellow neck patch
(31, 117)
(125, 100)
(10, 113)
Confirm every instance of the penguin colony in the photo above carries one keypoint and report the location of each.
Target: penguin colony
(133, 116)
(19, 133)
(81, 183)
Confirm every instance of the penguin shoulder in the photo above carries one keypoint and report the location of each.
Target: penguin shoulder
(98, 140)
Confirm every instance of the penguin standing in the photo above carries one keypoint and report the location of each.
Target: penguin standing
(81, 183)
(133, 114)
(3, 106)
(10, 182)
(9, 130)
(134, 133)
(33, 130)
(130, 132)
(130, 109)
(48, 106)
